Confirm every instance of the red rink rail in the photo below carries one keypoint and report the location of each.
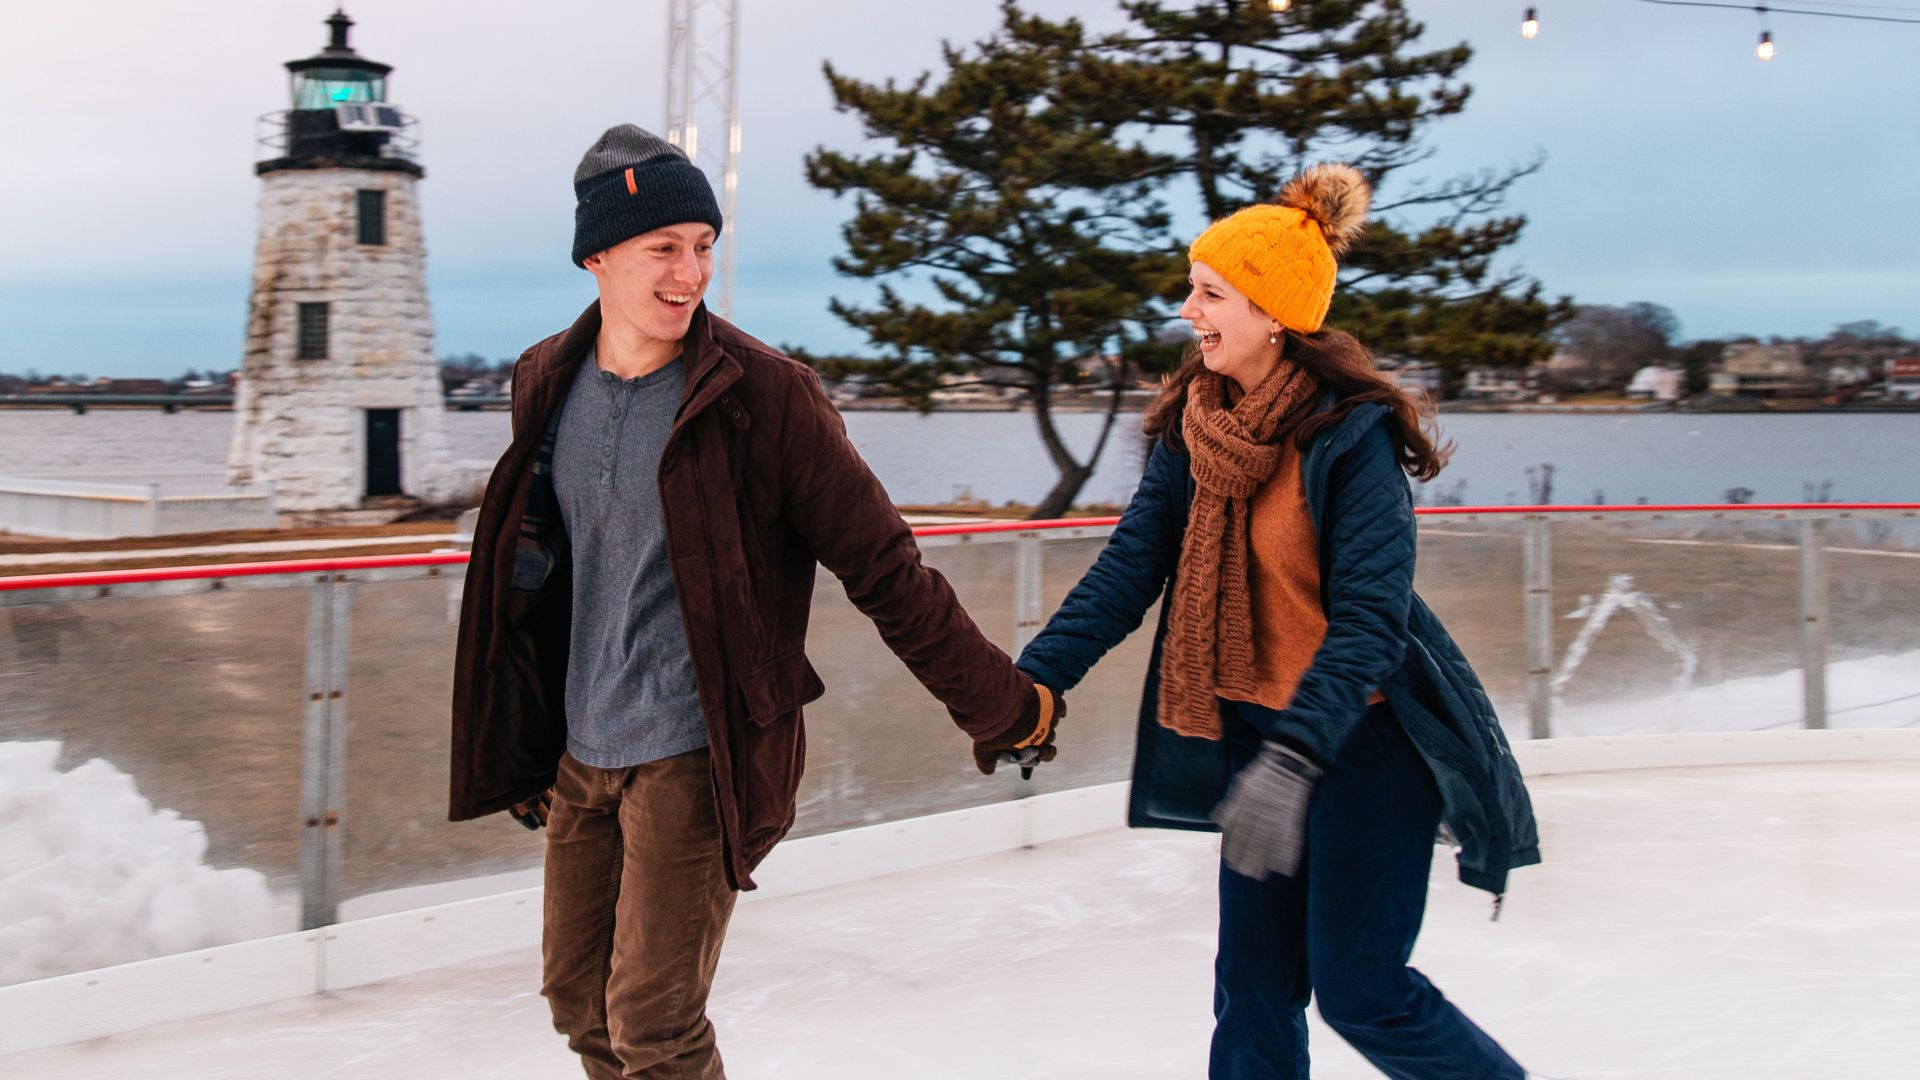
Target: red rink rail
(321, 567)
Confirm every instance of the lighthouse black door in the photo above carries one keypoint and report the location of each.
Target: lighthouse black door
(383, 452)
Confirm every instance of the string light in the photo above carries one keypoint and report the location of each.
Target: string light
(1763, 8)
(1530, 22)
(1278, 6)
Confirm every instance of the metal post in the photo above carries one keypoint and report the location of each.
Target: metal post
(730, 167)
(1026, 590)
(703, 60)
(150, 518)
(323, 759)
(1027, 553)
(1537, 570)
(1813, 619)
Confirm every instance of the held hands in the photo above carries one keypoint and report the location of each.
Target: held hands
(1263, 819)
(533, 813)
(1030, 740)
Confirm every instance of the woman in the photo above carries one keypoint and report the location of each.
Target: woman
(1300, 698)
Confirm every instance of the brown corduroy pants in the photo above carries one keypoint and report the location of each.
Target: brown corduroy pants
(637, 904)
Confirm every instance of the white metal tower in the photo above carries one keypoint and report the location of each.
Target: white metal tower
(703, 106)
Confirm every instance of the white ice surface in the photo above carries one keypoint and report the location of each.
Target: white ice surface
(1733, 923)
(92, 875)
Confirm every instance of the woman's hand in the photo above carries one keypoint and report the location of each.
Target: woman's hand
(1263, 819)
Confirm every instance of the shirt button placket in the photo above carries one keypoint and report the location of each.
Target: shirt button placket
(622, 392)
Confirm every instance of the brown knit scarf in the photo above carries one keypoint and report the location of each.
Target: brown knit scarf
(1235, 449)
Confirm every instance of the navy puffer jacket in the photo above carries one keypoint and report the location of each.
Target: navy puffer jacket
(1379, 635)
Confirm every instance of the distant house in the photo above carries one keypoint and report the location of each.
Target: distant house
(1566, 371)
(1500, 384)
(475, 388)
(1656, 383)
(1845, 375)
(1903, 379)
(1753, 368)
(1100, 371)
(966, 390)
(1415, 375)
(852, 388)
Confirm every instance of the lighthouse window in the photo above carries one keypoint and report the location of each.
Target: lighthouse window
(312, 343)
(323, 88)
(373, 217)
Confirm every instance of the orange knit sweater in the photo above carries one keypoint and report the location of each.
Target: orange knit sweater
(1283, 573)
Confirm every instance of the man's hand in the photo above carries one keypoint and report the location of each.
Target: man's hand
(1030, 738)
(533, 813)
(1263, 819)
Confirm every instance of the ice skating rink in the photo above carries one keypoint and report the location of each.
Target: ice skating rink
(1752, 922)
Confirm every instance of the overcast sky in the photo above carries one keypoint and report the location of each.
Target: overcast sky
(1771, 198)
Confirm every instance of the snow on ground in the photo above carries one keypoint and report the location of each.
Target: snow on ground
(1865, 692)
(92, 875)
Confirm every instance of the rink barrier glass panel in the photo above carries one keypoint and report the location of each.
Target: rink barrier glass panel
(298, 709)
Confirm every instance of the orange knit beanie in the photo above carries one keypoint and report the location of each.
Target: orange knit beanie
(1281, 254)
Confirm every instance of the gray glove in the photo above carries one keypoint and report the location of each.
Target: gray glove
(1263, 819)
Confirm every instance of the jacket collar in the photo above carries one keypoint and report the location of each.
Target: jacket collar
(710, 371)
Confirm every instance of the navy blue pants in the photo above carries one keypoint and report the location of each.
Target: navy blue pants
(1343, 929)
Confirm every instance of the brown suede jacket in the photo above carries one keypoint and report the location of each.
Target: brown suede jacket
(758, 484)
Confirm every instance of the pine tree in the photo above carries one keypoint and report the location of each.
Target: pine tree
(1254, 96)
(1027, 226)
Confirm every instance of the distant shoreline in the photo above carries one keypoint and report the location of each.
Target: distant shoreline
(1775, 408)
(1784, 407)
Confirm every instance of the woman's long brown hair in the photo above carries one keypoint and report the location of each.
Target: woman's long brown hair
(1343, 366)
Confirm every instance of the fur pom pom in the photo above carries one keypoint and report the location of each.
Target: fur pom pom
(1336, 197)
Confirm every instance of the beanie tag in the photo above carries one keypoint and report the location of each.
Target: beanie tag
(632, 188)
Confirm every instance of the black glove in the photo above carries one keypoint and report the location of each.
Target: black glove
(533, 813)
(1030, 740)
(1263, 819)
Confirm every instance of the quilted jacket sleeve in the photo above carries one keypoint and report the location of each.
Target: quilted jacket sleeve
(1367, 533)
(1116, 592)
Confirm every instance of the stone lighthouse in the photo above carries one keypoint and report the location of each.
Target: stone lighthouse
(339, 396)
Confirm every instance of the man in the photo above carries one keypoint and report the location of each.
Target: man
(636, 609)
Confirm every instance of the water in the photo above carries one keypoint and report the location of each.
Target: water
(997, 457)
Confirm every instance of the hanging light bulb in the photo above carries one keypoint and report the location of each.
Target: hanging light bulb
(1765, 49)
(1278, 6)
(1529, 26)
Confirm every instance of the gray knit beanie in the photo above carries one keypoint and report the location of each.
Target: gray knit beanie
(631, 182)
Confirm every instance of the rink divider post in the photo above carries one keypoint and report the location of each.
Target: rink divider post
(323, 754)
(1814, 620)
(1536, 561)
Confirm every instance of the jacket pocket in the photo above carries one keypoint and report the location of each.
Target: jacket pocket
(778, 688)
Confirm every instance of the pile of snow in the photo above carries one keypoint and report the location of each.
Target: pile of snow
(92, 875)
(1866, 692)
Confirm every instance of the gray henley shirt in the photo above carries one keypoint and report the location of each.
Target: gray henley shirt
(631, 696)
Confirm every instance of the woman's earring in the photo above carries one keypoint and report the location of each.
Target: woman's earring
(1273, 338)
